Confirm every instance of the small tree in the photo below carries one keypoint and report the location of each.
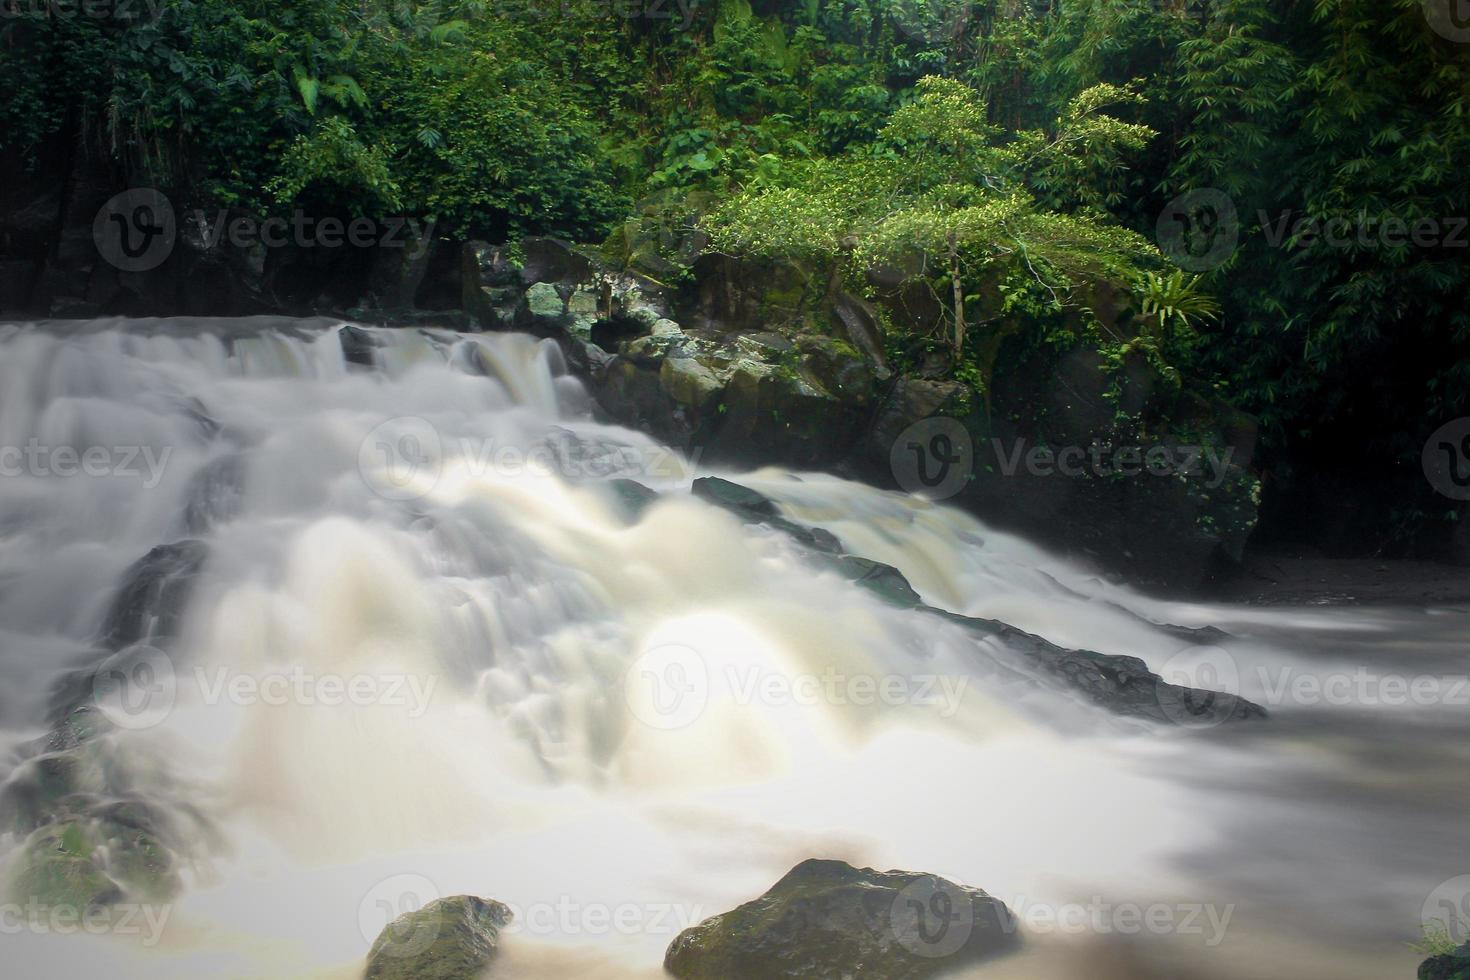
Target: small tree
(943, 189)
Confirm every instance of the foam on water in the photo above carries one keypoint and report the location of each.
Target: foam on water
(401, 528)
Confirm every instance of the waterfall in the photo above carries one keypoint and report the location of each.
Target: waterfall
(332, 618)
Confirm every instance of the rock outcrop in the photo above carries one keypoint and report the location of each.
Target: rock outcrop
(752, 364)
(1120, 684)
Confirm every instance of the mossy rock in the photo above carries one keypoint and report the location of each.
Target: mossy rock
(115, 851)
(47, 785)
(135, 853)
(56, 868)
(544, 300)
(448, 939)
(1447, 966)
(689, 382)
(826, 920)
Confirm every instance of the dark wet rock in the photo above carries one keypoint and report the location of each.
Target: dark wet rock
(358, 345)
(1447, 966)
(755, 508)
(743, 295)
(861, 323)
(887, 582)
(826, 920)
(733, 496)
(609, 333)
(838, 369)
(397, 271)
(490, 265)
(553, 260)
(909, 401)
(448, 939)
(215, 494)
(1121, 684)
(155, 589)
(633, 497)
(492, 291)
(1193, 634)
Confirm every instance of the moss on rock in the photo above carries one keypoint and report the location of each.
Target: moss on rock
(448, 939)
(826, 920)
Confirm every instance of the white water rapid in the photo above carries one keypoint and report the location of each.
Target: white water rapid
(427, 651)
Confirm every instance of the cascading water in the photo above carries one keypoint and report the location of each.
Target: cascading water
(325, 637)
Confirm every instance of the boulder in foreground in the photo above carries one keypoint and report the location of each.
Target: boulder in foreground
(448, 939)
(826, 920)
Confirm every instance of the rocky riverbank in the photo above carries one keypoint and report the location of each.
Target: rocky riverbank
(825, 920)
(749, 364)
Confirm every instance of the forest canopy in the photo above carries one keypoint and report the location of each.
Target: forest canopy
(1014, 148)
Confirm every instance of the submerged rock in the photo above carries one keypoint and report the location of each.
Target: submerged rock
(754, 508)
(96, 854)
(1121, 684)
(151, 600)
(358, 345)
(215, 494)
(56, 868)
(633, 497)
(826, 920)
(448, 939)
(734, 497)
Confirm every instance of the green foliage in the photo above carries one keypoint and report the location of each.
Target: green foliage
(1173, 301)
(441, 109)
(1437, 939)
(1008, 154)
(947, 194)
(332, 157)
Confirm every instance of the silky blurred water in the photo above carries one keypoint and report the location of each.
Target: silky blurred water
(428, 654)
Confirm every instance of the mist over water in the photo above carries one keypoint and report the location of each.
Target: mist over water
(423, 656)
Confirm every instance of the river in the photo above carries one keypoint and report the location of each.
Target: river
(426, 648)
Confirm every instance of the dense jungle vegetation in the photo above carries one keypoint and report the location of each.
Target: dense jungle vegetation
(1019, 151)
